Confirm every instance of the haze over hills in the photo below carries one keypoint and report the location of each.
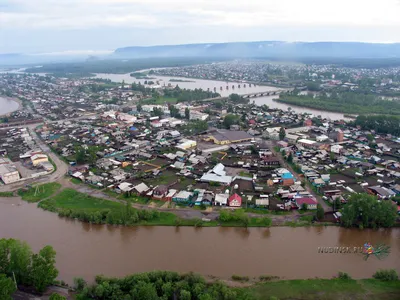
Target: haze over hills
(265, 49)
(277, 50)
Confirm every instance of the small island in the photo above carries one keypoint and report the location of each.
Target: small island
(140, 75)
(180, 80)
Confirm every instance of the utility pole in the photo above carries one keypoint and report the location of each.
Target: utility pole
(15, 281)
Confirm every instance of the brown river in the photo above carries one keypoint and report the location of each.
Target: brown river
(87, 250)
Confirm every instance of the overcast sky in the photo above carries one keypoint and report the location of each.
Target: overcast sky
(28, 26)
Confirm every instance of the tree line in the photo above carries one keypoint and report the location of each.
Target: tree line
(346, 102)
(185, 95)
(158, 285)
(380, 123)
(365, 211)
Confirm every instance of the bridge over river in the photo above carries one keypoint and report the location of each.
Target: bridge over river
(251, 95)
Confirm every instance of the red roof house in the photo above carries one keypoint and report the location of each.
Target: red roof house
(235, 200)
(310, 202)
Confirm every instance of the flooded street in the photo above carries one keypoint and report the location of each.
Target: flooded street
(88, 250)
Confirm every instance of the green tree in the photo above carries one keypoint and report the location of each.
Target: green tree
(218, 104)
(304, 206)
(20, 259)
(42, 270)
(230, 120)
(365, 210)
(320, 212)
(139, 107)
(185, 295)
(290, 157)
(313, 86)
(370, 137)
(79, 283)
(158, 112)
(174, 112)
(187, 113)
(56, 296)
(7, 287)
(386, 275)
(80, 155)
(332, 156)
(235, 98)
(282, 133)
(145, 290)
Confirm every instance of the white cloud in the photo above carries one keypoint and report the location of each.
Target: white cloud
(81, 14)
(57, 25)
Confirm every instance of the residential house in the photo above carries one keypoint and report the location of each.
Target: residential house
(262, 201)
(310, 202)
(141, 188)
(235, 201)
(183, 197)
(381, 192)
(160, 192)
(217, 174)
(221, 199)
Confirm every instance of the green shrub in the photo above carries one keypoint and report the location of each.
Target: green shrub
(344, 276)
(268, 277)
(386, 275)
(240, 278)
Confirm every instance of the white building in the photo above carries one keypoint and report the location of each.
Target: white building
(38, 159)
(186, 144)
(322, 138)
(336, 149)
(9, 174)
(194, 115)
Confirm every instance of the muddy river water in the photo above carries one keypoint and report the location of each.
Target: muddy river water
(87, 250)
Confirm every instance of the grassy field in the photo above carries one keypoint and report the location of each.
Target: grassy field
(6, 194)
(326, 289)
(74, 201)
(37, 193)
(71, 199)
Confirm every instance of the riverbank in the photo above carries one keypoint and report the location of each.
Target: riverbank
(265, 287)
(16, 100)
(70, 203)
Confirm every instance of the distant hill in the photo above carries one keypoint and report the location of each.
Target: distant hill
(266, 49)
